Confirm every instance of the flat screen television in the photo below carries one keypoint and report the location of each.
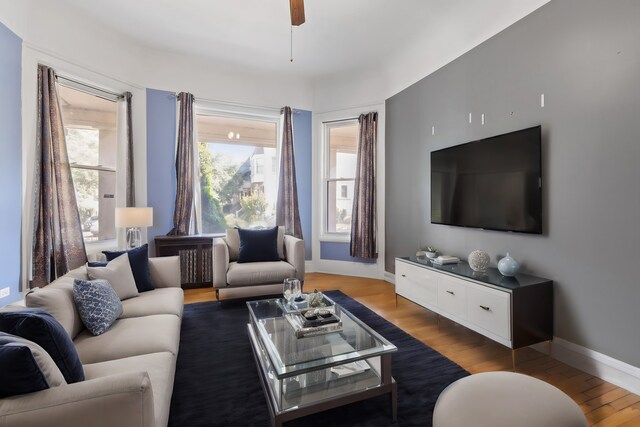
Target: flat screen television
(493, 183)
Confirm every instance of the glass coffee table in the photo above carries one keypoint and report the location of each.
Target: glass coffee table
(302, 376)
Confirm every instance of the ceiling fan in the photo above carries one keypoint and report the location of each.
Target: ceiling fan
(297, 12)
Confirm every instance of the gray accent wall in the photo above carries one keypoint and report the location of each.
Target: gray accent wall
(584, 56)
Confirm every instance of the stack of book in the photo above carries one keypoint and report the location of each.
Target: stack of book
(446, 259)
(303, 328)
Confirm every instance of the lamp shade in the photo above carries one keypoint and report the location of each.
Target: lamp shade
(134, 217)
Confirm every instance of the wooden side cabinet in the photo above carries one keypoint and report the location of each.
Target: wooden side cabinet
(196, 260)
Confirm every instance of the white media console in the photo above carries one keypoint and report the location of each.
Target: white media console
(514, 311)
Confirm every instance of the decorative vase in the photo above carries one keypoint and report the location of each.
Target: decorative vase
(432, 255)
(508, 266)
(479, 260)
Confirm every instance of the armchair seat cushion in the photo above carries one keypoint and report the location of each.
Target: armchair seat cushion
(259, 273)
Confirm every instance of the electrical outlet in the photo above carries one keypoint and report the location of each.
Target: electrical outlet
(4, 292)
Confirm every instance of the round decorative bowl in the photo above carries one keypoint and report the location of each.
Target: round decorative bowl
(479, 260)
(508, 266)
(432, 255)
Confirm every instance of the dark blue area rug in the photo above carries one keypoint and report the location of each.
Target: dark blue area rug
(217, 383)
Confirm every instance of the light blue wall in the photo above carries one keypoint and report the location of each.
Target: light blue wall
(303, 148)
(10, 162)
(161, 171)
(338, 251)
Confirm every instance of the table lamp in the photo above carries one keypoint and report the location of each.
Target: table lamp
(132, 219)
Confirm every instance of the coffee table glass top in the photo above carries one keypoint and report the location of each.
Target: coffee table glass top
(290, 355)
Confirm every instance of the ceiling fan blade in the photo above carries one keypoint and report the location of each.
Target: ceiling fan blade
(297, 12)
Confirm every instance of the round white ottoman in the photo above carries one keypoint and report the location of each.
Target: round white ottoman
(505, 399)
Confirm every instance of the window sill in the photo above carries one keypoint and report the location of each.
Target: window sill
(336, 238)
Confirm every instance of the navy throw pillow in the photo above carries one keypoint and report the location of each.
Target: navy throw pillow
(258, 245)
(139, 261)
(20, 372)
(43, 329)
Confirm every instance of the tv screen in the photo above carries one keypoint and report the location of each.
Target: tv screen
(494, 183)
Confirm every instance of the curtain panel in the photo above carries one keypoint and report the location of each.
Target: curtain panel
(58, 244)
(363, 221)
(185, 164)
(287, 213)
(131, 183)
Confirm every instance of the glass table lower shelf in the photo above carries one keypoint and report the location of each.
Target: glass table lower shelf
(302, 376)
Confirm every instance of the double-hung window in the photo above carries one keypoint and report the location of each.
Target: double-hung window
(238, 158)
(341, 147)
(90, 118)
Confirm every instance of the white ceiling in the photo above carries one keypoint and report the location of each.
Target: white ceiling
(338, 36)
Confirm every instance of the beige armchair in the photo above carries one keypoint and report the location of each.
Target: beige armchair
(254, 277)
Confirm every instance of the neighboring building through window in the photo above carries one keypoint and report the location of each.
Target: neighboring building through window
(341, 150)
(238, 181)
(90, 133)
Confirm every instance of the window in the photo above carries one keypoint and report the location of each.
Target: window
(90, 133)
(238, 181)
(342, 146)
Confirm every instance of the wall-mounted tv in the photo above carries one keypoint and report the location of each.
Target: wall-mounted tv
(493, 183)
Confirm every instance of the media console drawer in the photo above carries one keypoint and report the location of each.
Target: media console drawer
(452, 296)
(514, 311)
(490, 310)
(417, 284)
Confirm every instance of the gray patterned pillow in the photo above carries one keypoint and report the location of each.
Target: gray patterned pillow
(98, 304)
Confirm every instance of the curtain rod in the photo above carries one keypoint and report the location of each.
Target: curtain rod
(348, 119)
(238, 104)
(67, 79)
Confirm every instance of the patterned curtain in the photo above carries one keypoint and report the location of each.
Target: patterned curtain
(363, 220)
(287, 213)
(183, 211)
(58, 245)
(131, 181)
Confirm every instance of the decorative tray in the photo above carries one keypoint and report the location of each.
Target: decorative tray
(302, 305)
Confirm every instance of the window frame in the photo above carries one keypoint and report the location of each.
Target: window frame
(325, 234)
(235, 111)
(89, 89)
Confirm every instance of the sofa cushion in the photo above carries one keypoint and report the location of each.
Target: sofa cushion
(43, 329)
(159, 366)
(258, 245)
(131, 337)
(118, 274)
(98, 304)
(57, 299)
(139, 261)
(158, 301)
(259, 273)
(26, 367)
(233, 243)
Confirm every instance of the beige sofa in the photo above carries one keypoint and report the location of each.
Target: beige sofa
(129, 370)
(255, 278)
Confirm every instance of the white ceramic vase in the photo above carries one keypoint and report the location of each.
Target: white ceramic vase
(508, 266)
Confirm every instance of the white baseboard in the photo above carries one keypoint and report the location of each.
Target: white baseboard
(308, 266)
(347, 268)
(592, 362)
(390, 277)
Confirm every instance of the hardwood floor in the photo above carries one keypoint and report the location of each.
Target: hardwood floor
(604, 404)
